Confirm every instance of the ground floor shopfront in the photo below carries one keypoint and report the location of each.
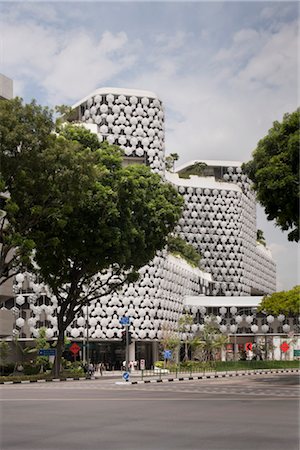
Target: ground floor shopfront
(112, 353)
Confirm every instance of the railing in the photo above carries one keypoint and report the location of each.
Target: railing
(220, 367)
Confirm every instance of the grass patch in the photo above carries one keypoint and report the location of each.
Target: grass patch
(220, 366)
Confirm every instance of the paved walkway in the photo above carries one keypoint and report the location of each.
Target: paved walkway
(137, 376)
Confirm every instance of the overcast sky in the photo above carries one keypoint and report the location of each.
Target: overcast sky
(224, 70)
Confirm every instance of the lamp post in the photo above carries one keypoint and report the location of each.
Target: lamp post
(87, 352)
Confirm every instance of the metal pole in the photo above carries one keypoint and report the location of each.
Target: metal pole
(266, 347)
(235, 353)
(87, 337)
(127, 348)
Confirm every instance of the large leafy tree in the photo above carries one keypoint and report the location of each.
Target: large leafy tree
(274, 170)
(25, 131)
(91, 222)
(284, 302)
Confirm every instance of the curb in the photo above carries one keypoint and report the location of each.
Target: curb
(55, 380)
(165, 380)
(220, 375)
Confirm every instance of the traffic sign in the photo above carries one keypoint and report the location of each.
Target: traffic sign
(167, 354)
(284, 347)
(142, 364)
(125, 376)
(248, 346)
(124, 320)
(74, 348)
(47, 352)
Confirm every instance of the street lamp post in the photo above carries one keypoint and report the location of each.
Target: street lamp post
(87, 352)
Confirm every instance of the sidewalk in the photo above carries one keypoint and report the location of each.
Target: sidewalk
(137, 377)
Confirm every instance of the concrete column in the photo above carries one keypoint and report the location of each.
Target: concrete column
(223, 354)
(132, 351)
(155, 352)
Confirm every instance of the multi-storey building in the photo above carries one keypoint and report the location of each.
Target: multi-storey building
(130, 118)
(219, 219)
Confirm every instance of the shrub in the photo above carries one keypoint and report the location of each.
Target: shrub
(31, 369)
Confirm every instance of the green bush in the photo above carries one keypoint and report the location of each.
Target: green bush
(198, 366)
(31, 369)
(7, 369)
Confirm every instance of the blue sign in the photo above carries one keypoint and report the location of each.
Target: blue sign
(124, 320)
(125, 376)
(167, 354)
(47, 352)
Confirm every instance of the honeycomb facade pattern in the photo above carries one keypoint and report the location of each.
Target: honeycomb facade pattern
(219, 219)
(131, 119)
(154, 302)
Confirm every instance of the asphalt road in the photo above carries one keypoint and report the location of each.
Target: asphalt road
(248, 413)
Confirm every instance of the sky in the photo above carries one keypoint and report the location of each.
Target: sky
(224, 71)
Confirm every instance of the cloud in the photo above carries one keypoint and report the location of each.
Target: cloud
(275, 62)
(224, 76)
(66, 65)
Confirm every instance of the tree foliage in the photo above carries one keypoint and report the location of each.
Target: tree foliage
(170, 161)
(209, 340)
(260, 237)
(178, 246)
(195, 169)
(184, 327)
(274, 170)
(284, 302)
(91, 222)
(25, 131)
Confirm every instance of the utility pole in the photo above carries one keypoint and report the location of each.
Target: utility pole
(87, 336)
(127, 347)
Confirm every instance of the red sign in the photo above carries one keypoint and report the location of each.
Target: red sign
(74, 348)
(248, 346)
(284, 347)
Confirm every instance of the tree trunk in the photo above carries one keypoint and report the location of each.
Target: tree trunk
(59, 352)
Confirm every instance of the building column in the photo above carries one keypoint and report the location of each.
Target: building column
(132, 351)
(155, 352)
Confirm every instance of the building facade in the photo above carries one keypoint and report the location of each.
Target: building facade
(132, 119)
(219, 220)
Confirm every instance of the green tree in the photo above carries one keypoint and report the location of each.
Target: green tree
(184, 327)
(170, 161)
(274, 170)
(284, 302)
(209, 340)
(195, 169)
(179, 246)
(260, 238)
(25, 131)
(41, 342)
(169, 340)
(92, 223)
(4, 352)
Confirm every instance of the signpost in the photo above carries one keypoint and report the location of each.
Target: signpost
(74, 349)
(47, 352)
(167, 354)
(284, 347)
(126, 376)
(249, 347)
(126, 322)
